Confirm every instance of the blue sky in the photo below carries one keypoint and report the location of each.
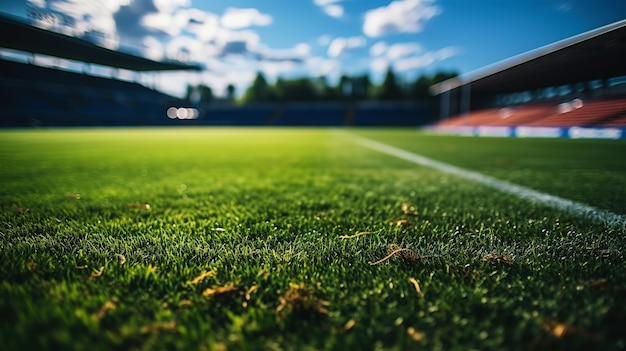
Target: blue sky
(234, 39)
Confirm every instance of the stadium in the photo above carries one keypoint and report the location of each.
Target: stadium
(488, 215)
(538, 93)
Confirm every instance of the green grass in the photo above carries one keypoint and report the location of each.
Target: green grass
(265, 208)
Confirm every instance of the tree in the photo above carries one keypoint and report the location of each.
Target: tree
(206, 93)
(390, 90)
(329, 91)
(191, 94)
(200, 93)
(361, 87)
(230, 92)
(420, 89)
(279, 90)
(323, 91)
(344, 88)
(298, 89)
(259, 90)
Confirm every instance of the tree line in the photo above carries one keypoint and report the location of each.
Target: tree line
(348, 88)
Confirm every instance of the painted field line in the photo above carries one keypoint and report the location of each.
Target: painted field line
(559, 203)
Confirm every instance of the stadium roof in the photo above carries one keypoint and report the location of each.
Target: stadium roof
(596, 54)
(24, 37)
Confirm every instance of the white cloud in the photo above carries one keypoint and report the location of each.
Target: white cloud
(273, 70)
(169, 6)
(204, 25)
(236, 18)
(184, 49)
(330, 7)
(225, 45)
(161, 21)
(325, 2)
(153, 48)
(334, 10)
(340, 46)
(394, 51)
(425, 60)
(302, 49)
(236, 42)
(564, 7)
(218, 77)
(320, 66)
(93, 20)
(401, 16)
(296, 54)
(379, 64)
(399, 50)
(37, 3)
(448, 52)
(324, 40)
(378, 49)
(406, 56)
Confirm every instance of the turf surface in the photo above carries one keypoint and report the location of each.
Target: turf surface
(244, 239)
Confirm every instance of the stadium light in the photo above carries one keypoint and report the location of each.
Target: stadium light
(171, 112)
(183, 113)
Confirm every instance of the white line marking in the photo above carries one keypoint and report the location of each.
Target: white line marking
(572, 207)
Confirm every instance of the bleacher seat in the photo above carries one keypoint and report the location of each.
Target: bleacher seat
(312, 115)
(575, 112)
(45, 96)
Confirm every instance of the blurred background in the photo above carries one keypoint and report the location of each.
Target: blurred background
(311, 63)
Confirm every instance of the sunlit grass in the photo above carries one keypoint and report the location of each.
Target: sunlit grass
(265, 239)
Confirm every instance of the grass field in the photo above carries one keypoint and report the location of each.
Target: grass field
(276, 239)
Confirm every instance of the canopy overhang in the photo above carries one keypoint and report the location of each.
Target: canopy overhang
(21, 36)
(596, 54)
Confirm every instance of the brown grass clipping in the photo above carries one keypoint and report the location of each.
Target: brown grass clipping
(349, 325)
(416, 285)
(400, 222)
(106, 308)
(405, 254)
(157, 327)
(21, 210)
(415, 334)
(602, 284)
(498, 259)
(409, 210)
(202, 276)
(120, 258)
(355, 235)
(247, 296)
(96, 273)
(218, 290)
(302, 302)
(559, 330)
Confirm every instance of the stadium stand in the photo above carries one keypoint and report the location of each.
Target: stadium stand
(33, 95)
(227, 115)
(305, 114)
(617, 122)
(501, 116)
(576, 82)
(317, 114)
(577, 112)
